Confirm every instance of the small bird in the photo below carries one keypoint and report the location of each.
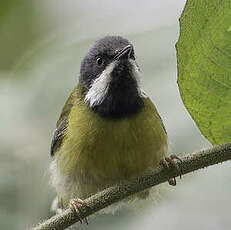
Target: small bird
(109, 130)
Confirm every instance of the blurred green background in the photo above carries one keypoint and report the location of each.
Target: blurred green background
(41, 46)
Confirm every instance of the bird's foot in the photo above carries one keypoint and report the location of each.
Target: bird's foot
(171, 160)
(74, 206)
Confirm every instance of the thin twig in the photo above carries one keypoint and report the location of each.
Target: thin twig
(116, 193)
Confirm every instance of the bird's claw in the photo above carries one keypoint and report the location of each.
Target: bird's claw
(74, 206)
(171, 160)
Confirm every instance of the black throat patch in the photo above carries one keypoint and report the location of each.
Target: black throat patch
(123, 98)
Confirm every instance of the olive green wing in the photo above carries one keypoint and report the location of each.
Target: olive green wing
(61, 124)
(161, 121)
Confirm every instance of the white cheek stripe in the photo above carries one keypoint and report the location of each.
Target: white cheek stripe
(99, 86)
(137, 75)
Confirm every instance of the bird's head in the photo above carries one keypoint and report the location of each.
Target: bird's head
(111, 78)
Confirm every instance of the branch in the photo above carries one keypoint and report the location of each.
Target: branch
(116, 193)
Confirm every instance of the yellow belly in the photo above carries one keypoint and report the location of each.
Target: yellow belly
(97, 152)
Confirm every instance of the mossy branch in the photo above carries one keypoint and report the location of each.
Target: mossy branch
(116, 193)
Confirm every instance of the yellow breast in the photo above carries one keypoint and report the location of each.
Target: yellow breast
(108, 149)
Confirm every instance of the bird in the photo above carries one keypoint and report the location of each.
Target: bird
(109, 129)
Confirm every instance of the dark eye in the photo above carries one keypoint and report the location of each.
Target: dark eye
(99, 61)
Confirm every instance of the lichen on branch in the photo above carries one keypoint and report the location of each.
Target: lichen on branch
(190, 162)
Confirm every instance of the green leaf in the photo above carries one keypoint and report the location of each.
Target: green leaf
(204, 66)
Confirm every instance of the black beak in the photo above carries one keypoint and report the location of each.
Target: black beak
(124, 53)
